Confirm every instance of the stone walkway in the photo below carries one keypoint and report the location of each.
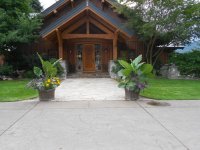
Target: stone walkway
(89, 89)
(99, 125)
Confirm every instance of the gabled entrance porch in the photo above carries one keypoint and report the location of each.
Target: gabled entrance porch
(88, 44)
(88, 37)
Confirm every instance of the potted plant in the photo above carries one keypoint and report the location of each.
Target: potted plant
(133, 77)
(46, 81)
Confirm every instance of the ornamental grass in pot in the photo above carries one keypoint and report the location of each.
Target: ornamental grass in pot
(133, 77)
(46, 81)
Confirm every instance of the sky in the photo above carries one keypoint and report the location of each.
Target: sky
(47, 3)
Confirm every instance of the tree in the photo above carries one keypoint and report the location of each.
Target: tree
(36, 5)
(18, 24)
(160, 23)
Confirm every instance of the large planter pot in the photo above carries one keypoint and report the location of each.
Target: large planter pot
(131, 95)
(46, 95)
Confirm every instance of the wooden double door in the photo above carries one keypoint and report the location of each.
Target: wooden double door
(88, 55)
(91, 55)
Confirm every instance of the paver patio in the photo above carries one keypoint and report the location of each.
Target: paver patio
(89, 89)
(99, 125)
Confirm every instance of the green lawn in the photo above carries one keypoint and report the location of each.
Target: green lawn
(15, 90)
(164, 89)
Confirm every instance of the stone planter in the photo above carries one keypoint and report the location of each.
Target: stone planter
(110, 68)
(46, 95)
(131, 95)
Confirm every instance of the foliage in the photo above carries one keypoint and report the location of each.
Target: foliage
(162, 23)
(60, 69)
(21, 60)
(133, 75)
(28, 74)
(46, 77)
(188, 63)
(37, 84)
(49, 68)
(17, 23)
(117, 67)
(14, 90)
(6, 70)
(36, 6)
(29, 61)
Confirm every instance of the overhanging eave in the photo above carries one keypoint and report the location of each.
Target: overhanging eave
(78, 10)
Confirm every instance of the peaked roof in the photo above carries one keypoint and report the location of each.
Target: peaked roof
(77, 10)
(53, 7)
(59, 3)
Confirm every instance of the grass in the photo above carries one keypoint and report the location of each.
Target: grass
(164, 89)
(15, 90)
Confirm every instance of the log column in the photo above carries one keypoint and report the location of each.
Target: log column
(60, 44)
(115, 45)
(60, 54)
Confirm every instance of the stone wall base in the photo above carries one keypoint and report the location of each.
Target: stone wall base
(65, 67)
(111, 65)
(170, 71)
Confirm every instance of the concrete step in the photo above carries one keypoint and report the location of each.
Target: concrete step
(88, 75)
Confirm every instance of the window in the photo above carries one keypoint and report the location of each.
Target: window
(79, 65)
(98, 62)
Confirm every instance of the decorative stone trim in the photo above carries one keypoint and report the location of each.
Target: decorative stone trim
(64, 64)
(111, 65)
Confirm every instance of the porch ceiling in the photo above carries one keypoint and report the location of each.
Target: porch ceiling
(88, 18)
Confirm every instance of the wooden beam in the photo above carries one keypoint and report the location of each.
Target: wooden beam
(64, 23)
(102, 4)
(97, 36)
(109, 23)
(100, 26)
(72, 3)
(115, 45)
(74, 26)
(55, 11)
(60, 44)
(88, 27)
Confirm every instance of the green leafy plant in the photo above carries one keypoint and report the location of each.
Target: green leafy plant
(117, 67)
(46, 76)
(60, 69)
(134, 74)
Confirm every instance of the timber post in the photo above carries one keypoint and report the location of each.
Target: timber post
(115, 45)
(60, 44)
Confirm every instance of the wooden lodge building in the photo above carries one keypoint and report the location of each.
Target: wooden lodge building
(87, 34)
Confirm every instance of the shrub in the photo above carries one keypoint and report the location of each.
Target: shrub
(6, 70)
(188, 63)
(29, 74)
